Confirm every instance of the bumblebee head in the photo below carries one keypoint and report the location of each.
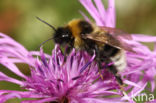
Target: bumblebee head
(62, 35)
(71, 33)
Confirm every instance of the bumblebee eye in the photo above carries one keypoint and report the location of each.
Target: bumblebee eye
(62, 35)
(65, 35)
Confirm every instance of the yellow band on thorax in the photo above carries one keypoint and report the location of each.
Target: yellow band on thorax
(74, 27)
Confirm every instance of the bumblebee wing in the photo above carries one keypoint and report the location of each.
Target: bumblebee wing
(117, 33)
(103, 38)
(108, 39)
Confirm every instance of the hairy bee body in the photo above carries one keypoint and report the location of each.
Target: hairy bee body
(84, 35)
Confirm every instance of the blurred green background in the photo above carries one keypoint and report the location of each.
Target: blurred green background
(17, 19)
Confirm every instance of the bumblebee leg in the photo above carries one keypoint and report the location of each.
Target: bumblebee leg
(99, 69)
(66, 52)
(113, 69)
(97, 51)
(119, 80)
(68, 49)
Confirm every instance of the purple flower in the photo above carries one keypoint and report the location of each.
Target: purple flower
(53, 79)
(76, 79)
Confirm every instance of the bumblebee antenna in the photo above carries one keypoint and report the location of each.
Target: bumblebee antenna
(46, 23)
(44, 43)
(49, 26)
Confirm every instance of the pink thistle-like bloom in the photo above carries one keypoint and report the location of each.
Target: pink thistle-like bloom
(76, 79)
(52, 78)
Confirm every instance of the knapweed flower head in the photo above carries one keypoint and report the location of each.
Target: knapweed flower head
(75, 78)
(52, 78)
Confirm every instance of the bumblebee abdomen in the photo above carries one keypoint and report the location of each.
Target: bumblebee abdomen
(116, 55)
(109, 51)
(120, 60)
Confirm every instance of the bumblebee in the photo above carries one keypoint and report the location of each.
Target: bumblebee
(106, 42)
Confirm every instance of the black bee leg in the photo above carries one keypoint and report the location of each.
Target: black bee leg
(98, 60)
(118, 78)
(99, 69)
(97, 51)
(68, 49)
(66, 52)
(113, 69)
